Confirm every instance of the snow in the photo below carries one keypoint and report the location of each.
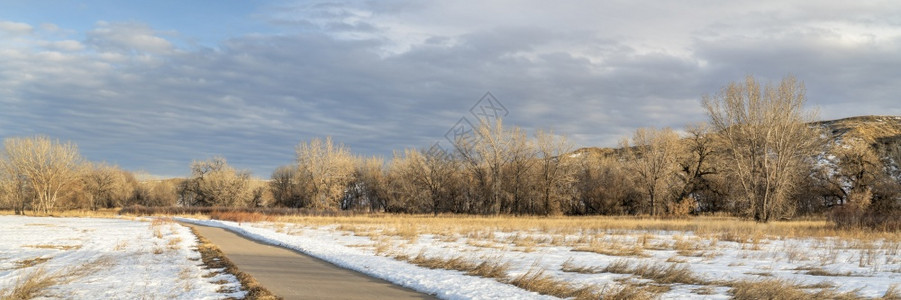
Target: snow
(332, 246)
(109, 259)
(128, 259)
(872, 266)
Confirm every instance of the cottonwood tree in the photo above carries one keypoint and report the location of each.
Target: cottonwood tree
(554, 175)
(767, 141)
(496, 152)
(49, 168)
(367, 190)
(603, 186)
(285, 187)
(517, 176)
(859, 167)
(404, 192)
(106, 186)
(436, 174)
(327, 169)
(214, 183)
(698, 165)
(14, 190)
(157, 192)
(655, 157)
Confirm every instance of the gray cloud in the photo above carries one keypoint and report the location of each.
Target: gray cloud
(387, 75)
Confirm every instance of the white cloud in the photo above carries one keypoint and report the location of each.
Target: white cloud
(65, 45)
(127, 37)
(15, 28)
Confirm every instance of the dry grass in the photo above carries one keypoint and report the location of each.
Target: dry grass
(705, 290)
(453, 263)
(57, 247)
(213, 258)
(491, 268)
(121, 245)
(628, 292)
(893, 293)
(537, 281)
(659, 272)
(785, 290)
(157, 224)
(30, 285)
(613, 248)
(673, 273)
(816, 271)
(27, 263)
(569, 266)
(36, 282)
(619, 266)
(483, 227)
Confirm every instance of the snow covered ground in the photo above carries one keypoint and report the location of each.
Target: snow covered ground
(86, 258)
(868, 268)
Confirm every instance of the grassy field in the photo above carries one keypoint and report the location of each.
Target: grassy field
(618, 257)
(628, 257)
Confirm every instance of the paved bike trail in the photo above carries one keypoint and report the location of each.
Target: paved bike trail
(293, 275)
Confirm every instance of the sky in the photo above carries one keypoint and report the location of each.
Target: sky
(151, 86)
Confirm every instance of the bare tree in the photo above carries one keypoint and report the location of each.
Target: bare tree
(497, 161)
(859, 167)
(48, 167)
(698, 164)
(285, 187)
(404, 190)
(603, 186)
(435, 174)
(106, 186)
(767, 140)
(655, 162)
(14, 189)
(367, 190)
(157, 192)
(554, 175)
(327, 168)
(214, 182)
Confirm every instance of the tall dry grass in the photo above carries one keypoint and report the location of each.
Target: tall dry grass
(718, 228)
(30, 285)
(771, 288)
(36, 282)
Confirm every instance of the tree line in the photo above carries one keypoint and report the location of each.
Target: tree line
(761, 155)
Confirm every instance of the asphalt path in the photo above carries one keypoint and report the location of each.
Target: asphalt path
(293, 275)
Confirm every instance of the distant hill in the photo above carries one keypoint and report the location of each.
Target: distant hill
(871, 128)
(883, 131)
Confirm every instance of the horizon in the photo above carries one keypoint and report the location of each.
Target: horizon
(152, 87)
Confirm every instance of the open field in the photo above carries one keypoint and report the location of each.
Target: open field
(714, 258)
(90, 258)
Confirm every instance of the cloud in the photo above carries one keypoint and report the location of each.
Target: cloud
(15, 28)
(382, 76)
(127, 36)
(65, 45)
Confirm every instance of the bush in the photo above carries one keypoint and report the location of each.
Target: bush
(682, 208)
(852, 217)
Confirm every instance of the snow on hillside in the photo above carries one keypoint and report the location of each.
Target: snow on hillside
(866, 268)
(107, 259)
